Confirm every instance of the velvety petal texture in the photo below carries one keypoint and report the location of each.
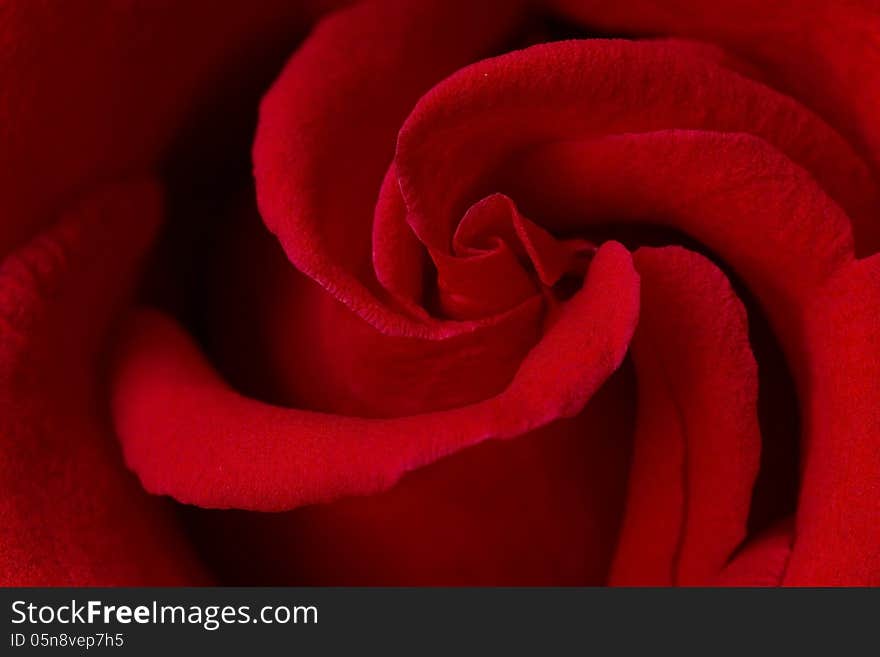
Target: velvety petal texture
(70, 514)
(91, 97)
(697, 436)
(510, 292)
(211, 447)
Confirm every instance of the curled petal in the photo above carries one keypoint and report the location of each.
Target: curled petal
(69, 512)
(797, 48)
(476, 120)
(541, 509)
(326, 123)
(187, 434)
(756, 210)
(697, 438)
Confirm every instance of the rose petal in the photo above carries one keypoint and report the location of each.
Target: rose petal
(484, 275)
(697, 438)
(499, 259)
(794, 251)
(763, 560)
(539, 509)
(760, 213)
(477, 119)
(797, 48)
(188, 435)
(69, 512)
(837, 531)
(331, 119)
(281, 337)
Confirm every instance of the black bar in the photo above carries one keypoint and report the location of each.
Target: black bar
(454, 621)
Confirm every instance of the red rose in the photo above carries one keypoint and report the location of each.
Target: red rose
(643, 265)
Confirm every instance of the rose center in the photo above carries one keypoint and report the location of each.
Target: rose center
(499, 258)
